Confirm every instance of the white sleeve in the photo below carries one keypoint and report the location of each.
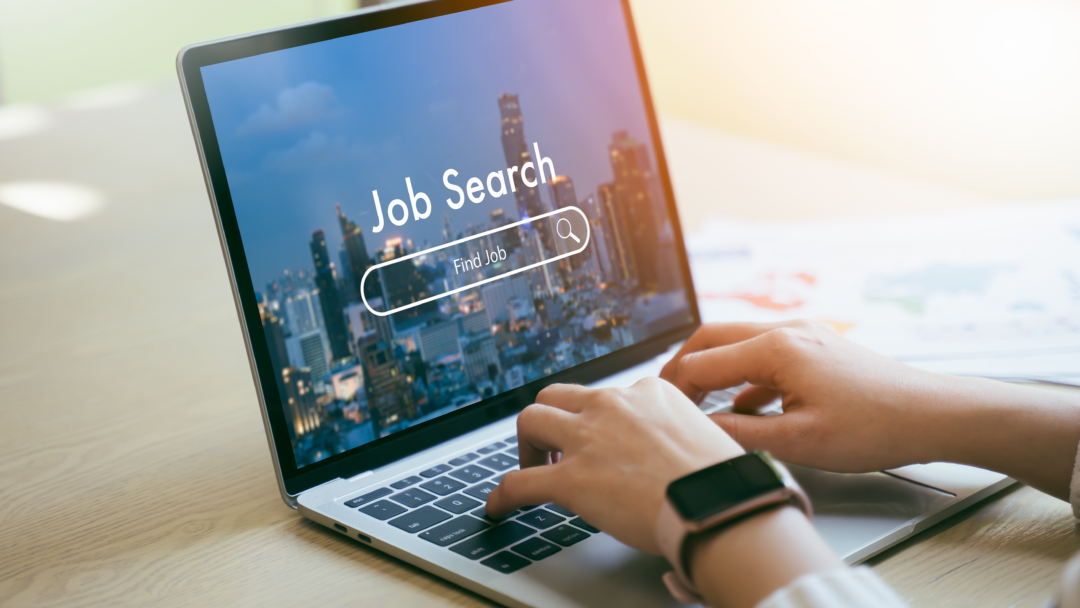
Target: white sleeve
(840, 588)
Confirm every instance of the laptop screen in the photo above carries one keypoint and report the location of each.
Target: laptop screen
(439, 212)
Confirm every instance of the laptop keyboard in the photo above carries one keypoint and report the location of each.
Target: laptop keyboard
(444, 505)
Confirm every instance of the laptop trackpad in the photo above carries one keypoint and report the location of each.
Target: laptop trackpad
(853, 511)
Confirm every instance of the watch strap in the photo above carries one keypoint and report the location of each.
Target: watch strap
(672, 530)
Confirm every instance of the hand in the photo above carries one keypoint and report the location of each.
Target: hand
(620, 450)
(846, 408)
(850, 410)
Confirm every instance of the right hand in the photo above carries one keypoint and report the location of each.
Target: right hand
(846, 408)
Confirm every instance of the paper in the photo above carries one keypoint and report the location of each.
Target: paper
(1003, 280)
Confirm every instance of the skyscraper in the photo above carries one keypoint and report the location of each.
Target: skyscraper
(624, 267)
(336, 331)
(359, 260)
(517, 154)
(404, 284)
(629, 163)
(301, 407)
(389, 394)
(562, 192)
(510, 238)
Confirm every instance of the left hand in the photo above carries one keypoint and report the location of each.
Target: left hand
(620, 450)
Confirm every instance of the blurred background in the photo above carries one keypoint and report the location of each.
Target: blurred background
(975, 95)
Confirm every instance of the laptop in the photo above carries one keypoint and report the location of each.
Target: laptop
(429, 212)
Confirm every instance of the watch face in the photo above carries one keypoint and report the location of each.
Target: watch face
(722, 486)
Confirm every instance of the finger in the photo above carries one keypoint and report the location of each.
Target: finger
(770, 433)
(542, 430)
(536, 486)
(721, 334)
(752, 398)
(754, 361)
(566, 397)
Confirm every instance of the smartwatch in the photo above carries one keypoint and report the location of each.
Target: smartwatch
(716, 496)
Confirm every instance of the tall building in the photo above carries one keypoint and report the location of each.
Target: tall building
(620, 253)
(562, 192)
(480, 357)
(633, 191)
(404, 284)
(308, 351)
(359, 261)
(274, 330)
(300, 402)
(497, 294)
(303, 312)
(510, 239)
(517, 154)
(388, 389)
(329, 298)
(441, 339)
(381, 325)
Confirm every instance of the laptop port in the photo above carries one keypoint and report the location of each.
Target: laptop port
(341, 528)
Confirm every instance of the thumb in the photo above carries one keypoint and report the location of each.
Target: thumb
(770, 433)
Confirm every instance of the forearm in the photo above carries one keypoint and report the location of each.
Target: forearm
(1027, 433)
(740, 565)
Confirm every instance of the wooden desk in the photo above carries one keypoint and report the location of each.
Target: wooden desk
(133, 466)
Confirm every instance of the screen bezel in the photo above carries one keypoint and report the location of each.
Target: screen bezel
(403, 443)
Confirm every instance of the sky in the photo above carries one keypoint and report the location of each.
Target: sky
(303, 129)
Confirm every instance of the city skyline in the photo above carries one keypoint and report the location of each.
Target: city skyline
(311, 233)
(306, 128)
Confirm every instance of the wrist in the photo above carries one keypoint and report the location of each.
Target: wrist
(742, 564)
(716, 497)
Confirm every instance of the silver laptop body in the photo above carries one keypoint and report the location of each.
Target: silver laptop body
(390, 419)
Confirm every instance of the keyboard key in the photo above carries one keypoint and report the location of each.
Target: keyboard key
(513, 451)
(412, 498)
(490, 541)
(435, 471)
(471, 473)
(366, 498)
(495, 447)
(481, 490)
(457, 504)
(535, 548)
(560, 510)
(498, 479)
(499, 462)
(460, 460)
(541, 519)
(420, 519)
(442, 486)
(404, 483)
(584, 525)
(506, 562)
(454, 530)
(511, 439)
(564, 535)
(383, 510)
(482, 514)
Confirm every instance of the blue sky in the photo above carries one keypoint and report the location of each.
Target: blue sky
(305, 128)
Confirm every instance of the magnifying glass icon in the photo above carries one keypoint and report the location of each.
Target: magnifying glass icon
(569, 230)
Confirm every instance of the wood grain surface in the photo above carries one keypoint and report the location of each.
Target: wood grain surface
(133, 465)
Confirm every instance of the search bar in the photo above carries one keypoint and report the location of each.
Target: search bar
(568, 225)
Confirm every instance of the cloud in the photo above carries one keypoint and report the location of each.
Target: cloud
(296, 106)
(316, 148)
